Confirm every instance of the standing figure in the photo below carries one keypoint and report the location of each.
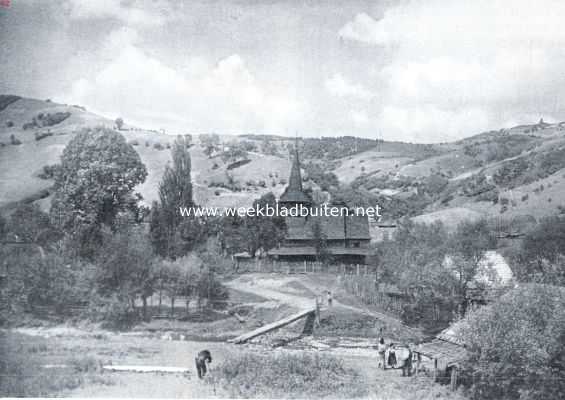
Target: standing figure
(329, 299)
(381, 350)
(201, 359)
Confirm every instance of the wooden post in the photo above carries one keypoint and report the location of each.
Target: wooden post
(435, 369)
(454, 373)
(357, 269)
(365, 269)
(418, 362)
(305, 270)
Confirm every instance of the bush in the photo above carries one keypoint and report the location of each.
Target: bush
(14, 140)
(289, 376)
(49, 171)
(42, 135)
(134, 142)
(158, 146)
(516, 347)
(43, 120)
(9, 124)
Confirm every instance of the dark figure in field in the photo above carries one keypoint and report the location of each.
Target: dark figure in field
(329, 299)
(201, 359)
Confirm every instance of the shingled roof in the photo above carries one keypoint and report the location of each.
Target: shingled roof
(333, 228)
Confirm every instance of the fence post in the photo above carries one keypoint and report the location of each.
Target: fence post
(357, 269)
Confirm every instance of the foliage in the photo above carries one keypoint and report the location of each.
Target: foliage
(126, 268)
(49, 171)
(210, 143)
(42, 135)
(320, 176)
(98, 174)
(14, 141)
(42, 120)
(542, 253)
(252, 232)
(516, 346)
(288, 376)
(119, 123)
(32, 225)
(173, 235)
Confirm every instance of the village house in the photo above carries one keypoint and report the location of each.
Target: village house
(346, 237)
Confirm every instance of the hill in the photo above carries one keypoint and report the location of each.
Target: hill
(499, 174)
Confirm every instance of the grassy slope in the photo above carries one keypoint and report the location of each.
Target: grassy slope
(20, 164)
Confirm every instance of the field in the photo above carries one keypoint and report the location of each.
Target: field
(67, 361)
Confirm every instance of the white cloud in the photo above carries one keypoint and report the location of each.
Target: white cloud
(338, 86)
(225, 97)
(461, 61)
(128, 13)
(359, 118)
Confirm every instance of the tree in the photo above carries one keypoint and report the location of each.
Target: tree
(542, 253)
(127, 267)
(253, 232)
(210, 143)
(32, 225)
(174, 235)
(98, 174)
(467, 249)
(320, 242)
(119, 123)
(516, 346)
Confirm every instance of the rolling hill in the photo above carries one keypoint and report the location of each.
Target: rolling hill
(500, 174)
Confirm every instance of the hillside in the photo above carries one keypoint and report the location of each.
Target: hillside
(24, 153)
(500, 174)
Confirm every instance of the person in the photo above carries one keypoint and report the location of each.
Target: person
(391, 356)
(381, 350)
(201, 359)
(329, 298)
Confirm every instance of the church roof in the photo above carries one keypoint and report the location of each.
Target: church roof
(332, 228)
(294, 192)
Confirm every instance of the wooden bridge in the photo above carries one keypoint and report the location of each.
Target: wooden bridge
(309, 314)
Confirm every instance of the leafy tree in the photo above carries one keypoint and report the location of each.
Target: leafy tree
(119, 123)
(3, 227)
(127, 267)
(253, 232)
(467, 248)
(98, 174)
(542, 253)
(320, 242)
(516, 346)
(174, 235)
(30, 224)
(210, 143)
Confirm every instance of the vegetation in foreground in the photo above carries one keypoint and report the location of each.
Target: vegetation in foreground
(289, 376)
(23, 373)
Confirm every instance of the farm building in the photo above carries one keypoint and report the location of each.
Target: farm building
(346, 236)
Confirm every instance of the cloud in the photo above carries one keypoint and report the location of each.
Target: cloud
(146, 14)
(226, 97)
(338, 86)
(457, 62)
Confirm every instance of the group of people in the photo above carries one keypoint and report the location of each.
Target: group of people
(392, 356)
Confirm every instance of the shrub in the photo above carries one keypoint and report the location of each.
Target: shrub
(525, 197)
(14, 140)
(217, 192)
(147, 144)
(215, 166)
(43, 120)
(134, 142)
(516, 346)
(42, 135)
(9, 124)
(262, 183)
(49, 171)
(289, 376)
(158, 146)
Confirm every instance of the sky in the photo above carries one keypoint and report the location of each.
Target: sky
(411, 70)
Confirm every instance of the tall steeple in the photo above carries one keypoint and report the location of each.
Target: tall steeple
(294, 192)
(295, 179)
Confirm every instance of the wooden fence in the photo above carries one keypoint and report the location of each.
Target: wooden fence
(303, 267)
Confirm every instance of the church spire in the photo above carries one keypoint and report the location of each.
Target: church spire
(293, 192)
(295, 180)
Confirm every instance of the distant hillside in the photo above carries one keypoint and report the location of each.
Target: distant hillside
(498, 174)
